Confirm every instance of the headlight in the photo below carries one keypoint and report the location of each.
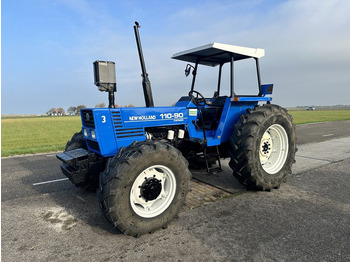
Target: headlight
(93, 135)
(86, 134)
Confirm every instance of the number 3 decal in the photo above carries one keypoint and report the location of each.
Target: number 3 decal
(103, 119)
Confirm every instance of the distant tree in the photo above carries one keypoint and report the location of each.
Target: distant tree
(80, 107)
(72, 110)
(131, 105)
(100, 105)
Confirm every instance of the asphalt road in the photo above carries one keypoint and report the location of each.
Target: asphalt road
(317, 132)
(308, 219)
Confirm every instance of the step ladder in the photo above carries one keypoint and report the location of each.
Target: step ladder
(208, 156)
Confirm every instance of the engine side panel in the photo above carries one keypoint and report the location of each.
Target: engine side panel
(119, 127)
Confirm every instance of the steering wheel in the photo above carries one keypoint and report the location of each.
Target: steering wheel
(199, 99)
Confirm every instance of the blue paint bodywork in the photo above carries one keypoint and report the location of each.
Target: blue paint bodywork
(119, 127)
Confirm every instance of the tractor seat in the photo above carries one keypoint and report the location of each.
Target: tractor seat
(211, 117)
(219, 101)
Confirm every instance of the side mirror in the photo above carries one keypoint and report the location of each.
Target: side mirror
(188, 70)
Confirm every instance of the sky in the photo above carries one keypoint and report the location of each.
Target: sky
(48, 47)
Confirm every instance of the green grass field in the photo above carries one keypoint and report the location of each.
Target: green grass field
(304, 117)
(36, 134)
(47, 134)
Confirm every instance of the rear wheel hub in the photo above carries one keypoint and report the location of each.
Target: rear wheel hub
(273, 149)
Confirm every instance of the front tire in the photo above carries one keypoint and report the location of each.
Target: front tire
(144, 187)
(262, 147)
(77, 141)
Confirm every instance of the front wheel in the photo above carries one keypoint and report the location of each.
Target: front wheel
(144, 187)
(262, 147)
(153, 191)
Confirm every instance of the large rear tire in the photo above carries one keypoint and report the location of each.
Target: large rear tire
(262, 147)
(90, 182)
(144, 187)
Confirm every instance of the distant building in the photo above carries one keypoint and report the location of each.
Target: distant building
(56, 112)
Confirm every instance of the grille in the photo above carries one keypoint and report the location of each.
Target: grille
(93, 145)
(124, 132)
(117, 119)
(129, 132)
(88, 118)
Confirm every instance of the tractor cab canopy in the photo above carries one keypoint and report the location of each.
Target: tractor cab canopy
(216, 54)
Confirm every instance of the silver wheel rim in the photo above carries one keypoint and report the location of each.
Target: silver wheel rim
(273, 149)
(153, 191)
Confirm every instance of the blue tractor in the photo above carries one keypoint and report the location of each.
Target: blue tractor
(138, 157)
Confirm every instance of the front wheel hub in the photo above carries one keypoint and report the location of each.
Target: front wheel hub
(153, 191)
(151, 188)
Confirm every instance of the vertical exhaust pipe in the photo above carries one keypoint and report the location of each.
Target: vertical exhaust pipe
(146, 84)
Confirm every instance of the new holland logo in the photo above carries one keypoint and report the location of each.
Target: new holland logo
(142, 118)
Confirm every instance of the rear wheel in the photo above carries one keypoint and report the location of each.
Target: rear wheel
(262, 147)
(144, 187)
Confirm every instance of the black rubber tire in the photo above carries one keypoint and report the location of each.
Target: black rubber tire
(245, 145)
(118, 178)
(91, 180)
(77, 141)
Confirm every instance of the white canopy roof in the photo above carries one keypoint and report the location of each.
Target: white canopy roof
(215, 53)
